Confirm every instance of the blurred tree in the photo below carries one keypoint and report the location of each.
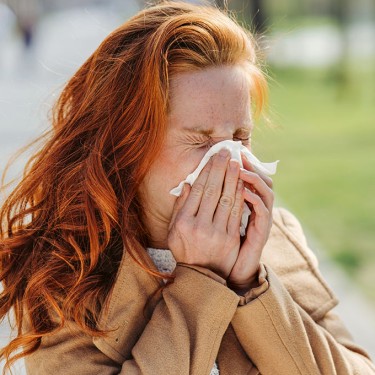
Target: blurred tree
(252, 12)
(341, 74)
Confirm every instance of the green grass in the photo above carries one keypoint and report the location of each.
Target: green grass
(323, 132)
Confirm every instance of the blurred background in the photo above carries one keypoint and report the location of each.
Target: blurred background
(320, 59)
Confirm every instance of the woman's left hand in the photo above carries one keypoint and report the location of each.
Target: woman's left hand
(260, 196)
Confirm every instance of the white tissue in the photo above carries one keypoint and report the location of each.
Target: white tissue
(235, 148)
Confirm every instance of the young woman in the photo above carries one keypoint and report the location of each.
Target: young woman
(108, 273)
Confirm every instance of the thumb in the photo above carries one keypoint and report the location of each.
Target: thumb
(179, 203)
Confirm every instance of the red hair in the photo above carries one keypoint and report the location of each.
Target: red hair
(67, 223)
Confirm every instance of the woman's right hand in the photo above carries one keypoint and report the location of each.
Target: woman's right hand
(204, 228)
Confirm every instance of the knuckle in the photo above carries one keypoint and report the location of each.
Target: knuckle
(231, 178)
(226, 201)
(210, 190)
(236, 210)
(197, 189)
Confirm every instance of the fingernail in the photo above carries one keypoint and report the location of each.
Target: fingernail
(224, 153)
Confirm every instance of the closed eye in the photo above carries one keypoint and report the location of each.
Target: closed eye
(210, 143)
(245, 141)
(203, 144)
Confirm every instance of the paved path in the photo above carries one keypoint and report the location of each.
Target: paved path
(354, 309)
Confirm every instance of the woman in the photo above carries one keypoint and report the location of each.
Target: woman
(92, 232)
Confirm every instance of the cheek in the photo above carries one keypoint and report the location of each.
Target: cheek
(171, 167)
(175, 166)
(166, 173)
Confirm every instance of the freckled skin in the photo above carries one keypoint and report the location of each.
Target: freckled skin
(216, 98)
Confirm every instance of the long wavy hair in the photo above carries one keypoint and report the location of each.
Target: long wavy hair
(66, 225)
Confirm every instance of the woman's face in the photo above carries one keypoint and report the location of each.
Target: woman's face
(206, 107)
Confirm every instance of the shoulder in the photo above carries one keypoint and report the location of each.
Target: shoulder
(292, 229)
(288, 254)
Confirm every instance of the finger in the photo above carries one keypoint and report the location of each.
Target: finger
(213, 187)
(180, 201)
(262, 189)
(262, 213)
(227, 198)
(234, 221)
(193, 200)
(248, 166)
(259, 227)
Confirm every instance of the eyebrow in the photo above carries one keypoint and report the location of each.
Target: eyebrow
(210, 131)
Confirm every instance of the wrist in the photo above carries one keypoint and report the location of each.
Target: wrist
(241, 289)
(244, 286)
(259, 286)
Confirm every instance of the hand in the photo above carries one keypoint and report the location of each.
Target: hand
(204, 228)
(260, 198)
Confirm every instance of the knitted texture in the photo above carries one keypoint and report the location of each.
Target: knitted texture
(165, 262)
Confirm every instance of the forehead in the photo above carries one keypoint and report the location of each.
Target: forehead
(215, 98)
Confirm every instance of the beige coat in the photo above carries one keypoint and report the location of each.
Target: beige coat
(284, 327)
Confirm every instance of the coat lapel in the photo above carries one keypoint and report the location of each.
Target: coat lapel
(125, 315)
(290, 258)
